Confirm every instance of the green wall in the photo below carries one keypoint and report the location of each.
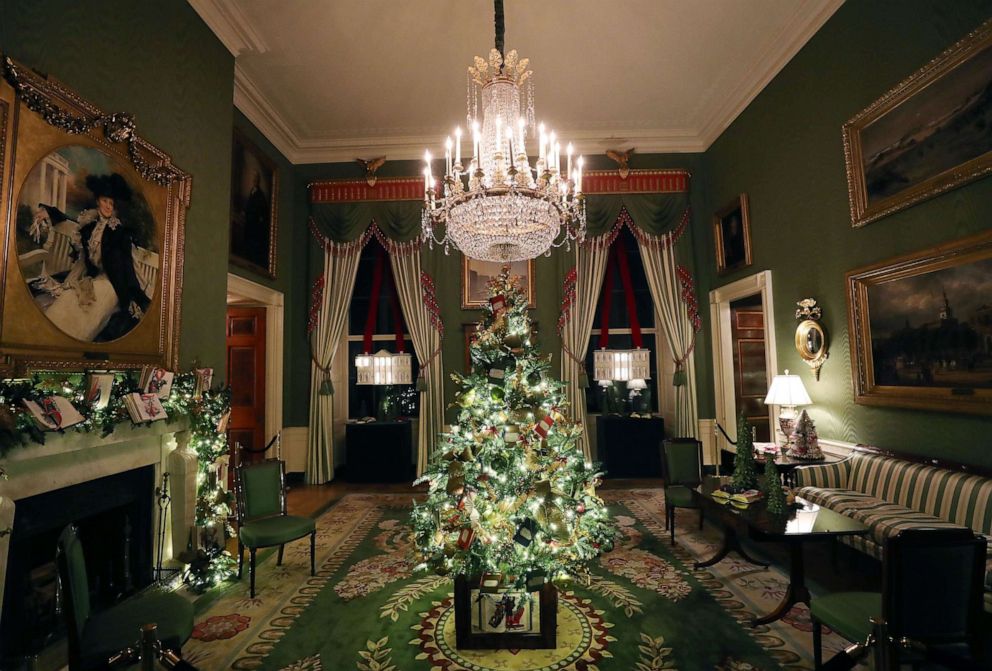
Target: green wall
(291, 276)
(786, 152)
(160, 62)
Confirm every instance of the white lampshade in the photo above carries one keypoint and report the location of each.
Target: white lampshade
(637, 383)
(621, 365)
(787, 390)
(384, 368)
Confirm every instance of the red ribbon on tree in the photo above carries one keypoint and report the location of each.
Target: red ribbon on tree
(618, 259)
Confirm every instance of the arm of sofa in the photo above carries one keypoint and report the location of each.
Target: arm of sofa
(827, 476)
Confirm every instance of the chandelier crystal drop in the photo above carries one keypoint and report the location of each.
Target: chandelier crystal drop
(497, 206)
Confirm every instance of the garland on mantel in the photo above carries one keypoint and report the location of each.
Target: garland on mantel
(204, 412)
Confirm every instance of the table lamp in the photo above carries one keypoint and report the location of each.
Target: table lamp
(787, 391)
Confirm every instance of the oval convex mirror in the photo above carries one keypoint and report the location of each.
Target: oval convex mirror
(811, 339)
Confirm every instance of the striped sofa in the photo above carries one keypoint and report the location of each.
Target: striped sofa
(888, 494)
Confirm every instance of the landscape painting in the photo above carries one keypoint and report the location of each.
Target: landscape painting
(476, 275)
(927, 135)
(922, 328)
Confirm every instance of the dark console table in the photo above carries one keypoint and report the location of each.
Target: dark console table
(630, 447)
(379, 452)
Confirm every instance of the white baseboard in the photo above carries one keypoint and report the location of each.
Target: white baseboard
(294, 448)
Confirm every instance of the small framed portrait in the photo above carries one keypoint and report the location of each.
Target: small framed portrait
(732, 235)
(254, 192)
(477, 274)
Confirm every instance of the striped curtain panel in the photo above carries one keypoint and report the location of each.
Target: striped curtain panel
(590, 267)
(661, 269)
(424, 331)
(327, 326)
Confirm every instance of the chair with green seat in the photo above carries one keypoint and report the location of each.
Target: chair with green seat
(931, 599)
(682, 469)
(94, 637)
(262, 518)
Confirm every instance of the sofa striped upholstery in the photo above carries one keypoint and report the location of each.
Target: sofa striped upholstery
(888, 494)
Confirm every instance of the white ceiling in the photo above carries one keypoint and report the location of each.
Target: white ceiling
(331, 80)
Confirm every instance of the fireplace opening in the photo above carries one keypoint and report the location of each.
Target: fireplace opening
(114, 516)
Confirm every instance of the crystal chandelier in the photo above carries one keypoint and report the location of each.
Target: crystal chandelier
(499, 207)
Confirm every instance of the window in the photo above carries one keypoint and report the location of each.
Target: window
(616, 397)
(382, 402)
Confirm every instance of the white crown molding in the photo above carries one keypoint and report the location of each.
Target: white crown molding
(787, 43)
(253, 104)
(230, 25)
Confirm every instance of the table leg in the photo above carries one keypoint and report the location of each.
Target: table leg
(797, 592)
(731, 543)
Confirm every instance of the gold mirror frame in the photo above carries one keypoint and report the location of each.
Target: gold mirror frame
(809, 314)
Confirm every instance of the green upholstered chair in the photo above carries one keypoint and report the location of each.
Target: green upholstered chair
(932, 592)
(94, 637)
(682, 469)
(262, 518)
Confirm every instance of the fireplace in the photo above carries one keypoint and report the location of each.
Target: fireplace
(115, 519)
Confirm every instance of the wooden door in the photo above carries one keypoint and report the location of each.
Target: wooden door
(747, 330)
(246, 375)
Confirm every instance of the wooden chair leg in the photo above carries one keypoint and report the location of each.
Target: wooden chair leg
(666, 513)
(241, 559)
(251, 572)
(313, 551)
(817, 645)
(279, 557)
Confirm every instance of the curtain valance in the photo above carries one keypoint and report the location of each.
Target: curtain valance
(398, 221)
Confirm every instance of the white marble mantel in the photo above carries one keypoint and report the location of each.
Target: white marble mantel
(73, 457)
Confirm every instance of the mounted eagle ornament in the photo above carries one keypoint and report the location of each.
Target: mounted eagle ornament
(371, 166)
(621, 158)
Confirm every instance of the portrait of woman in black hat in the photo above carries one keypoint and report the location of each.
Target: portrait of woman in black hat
(92, 290)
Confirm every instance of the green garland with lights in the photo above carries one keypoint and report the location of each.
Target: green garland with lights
(206, 566)
(510, 492)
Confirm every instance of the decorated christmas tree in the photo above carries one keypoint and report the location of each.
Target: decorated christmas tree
(510, 492)
(745, 470)
(805, 443)
(772, 488)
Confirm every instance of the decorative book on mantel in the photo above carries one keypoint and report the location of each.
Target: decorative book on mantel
(53, 413)
(156, 381)
(144, 407)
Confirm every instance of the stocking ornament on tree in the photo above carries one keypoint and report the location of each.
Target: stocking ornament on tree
(513, 451)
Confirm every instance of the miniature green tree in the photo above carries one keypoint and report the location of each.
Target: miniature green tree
(772, 485)
(745, 470)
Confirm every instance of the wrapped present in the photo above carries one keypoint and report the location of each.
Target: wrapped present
(466, 537)
(544, 426)
(511, 433)
(498, 303)
(490, 583)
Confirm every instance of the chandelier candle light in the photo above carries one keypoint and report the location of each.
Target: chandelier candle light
(499, 207)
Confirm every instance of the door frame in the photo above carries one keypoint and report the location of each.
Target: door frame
(723, 347)
(241, 289)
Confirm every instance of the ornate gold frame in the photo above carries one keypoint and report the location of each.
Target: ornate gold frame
(808, 315)
(270, 164)
(859, 281)
(741, 203)
(468, 304)
(37, 116)
(916, 84)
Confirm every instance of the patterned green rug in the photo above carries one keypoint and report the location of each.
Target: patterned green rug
(646, 607)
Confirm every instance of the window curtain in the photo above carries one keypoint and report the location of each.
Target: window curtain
(416, 292)
(659, 222)
(328, 316)
(581, 291)
(673, 294)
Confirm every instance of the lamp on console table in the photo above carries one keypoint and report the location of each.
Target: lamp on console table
(787, 391)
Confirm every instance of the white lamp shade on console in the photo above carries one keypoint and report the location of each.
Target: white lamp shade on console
(384, 368)
(621, 365)
(787, 391)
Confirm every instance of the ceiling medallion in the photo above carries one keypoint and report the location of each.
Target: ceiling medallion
(499, 207)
